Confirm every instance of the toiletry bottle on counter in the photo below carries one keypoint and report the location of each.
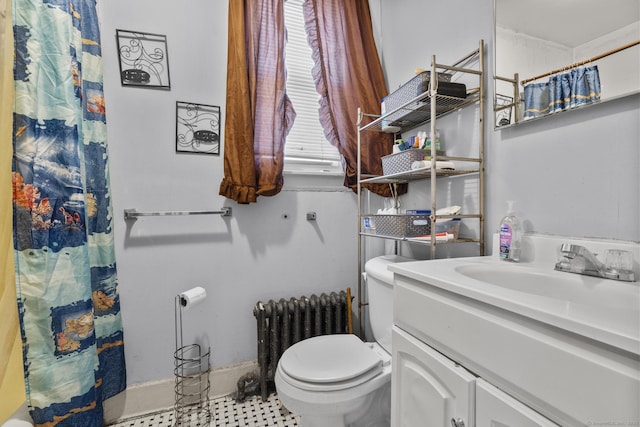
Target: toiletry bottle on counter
(510, 236)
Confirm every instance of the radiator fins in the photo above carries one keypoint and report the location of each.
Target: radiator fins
(285, 322)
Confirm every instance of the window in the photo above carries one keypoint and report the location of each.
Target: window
(306, 150)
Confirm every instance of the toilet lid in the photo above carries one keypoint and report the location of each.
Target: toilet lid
(330, 359)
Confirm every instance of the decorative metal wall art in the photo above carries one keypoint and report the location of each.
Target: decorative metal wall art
(197, 128)
(503, 115)
(144, 59)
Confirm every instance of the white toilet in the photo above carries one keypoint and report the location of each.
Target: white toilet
(338, 380)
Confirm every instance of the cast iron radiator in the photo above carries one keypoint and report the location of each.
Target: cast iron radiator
(285, 322)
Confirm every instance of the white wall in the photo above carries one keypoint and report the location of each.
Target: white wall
(413, 31)
(531, 56)
(619, 73)
(574, 174)
(254, 255)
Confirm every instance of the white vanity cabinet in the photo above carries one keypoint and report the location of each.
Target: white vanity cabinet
(457, 357)
(431, 390)
(428, 389)
(495, 408)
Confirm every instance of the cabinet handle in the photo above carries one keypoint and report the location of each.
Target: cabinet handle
(457, 422)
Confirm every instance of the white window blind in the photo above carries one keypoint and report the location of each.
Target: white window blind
(306, 148)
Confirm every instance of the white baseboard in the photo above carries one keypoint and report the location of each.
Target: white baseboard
(157, 396)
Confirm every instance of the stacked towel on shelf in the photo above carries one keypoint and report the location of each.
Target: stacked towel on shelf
(440, 164)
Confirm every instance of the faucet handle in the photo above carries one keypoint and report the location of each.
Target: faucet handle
(617, 259)
(619, 265)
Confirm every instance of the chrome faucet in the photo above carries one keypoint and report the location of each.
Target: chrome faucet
(578, 259)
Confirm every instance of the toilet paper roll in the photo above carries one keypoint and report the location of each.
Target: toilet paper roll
(192, 297)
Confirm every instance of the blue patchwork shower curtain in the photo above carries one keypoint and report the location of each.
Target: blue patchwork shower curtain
(63, 224)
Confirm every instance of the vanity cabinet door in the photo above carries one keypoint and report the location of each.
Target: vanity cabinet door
(495, 408)
(428, 389)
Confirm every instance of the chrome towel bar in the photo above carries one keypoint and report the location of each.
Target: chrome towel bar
(134, 214)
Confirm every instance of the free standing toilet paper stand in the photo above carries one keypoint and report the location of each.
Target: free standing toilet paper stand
(192, 384)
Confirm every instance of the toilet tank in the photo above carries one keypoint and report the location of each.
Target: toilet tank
(379, 283)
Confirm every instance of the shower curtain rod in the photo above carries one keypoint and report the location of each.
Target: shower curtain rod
(134, 214)
(586, 61)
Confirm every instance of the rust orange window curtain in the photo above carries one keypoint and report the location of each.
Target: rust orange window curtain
(259, 114)
(348, 75)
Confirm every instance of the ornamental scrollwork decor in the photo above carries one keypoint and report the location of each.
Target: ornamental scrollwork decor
(144, 59)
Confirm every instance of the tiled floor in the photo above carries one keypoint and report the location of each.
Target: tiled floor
(229, 413)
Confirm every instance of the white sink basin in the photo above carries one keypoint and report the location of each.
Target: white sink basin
(517, 278)
(565, 287)
(604, 310)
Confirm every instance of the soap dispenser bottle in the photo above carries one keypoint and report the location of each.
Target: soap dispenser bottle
(510, 236)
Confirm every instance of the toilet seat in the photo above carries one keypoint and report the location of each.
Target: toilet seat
(330, 362)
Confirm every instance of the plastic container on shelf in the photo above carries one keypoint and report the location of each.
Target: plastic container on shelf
(451, 226)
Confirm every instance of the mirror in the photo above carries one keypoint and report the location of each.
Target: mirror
(540, 42)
